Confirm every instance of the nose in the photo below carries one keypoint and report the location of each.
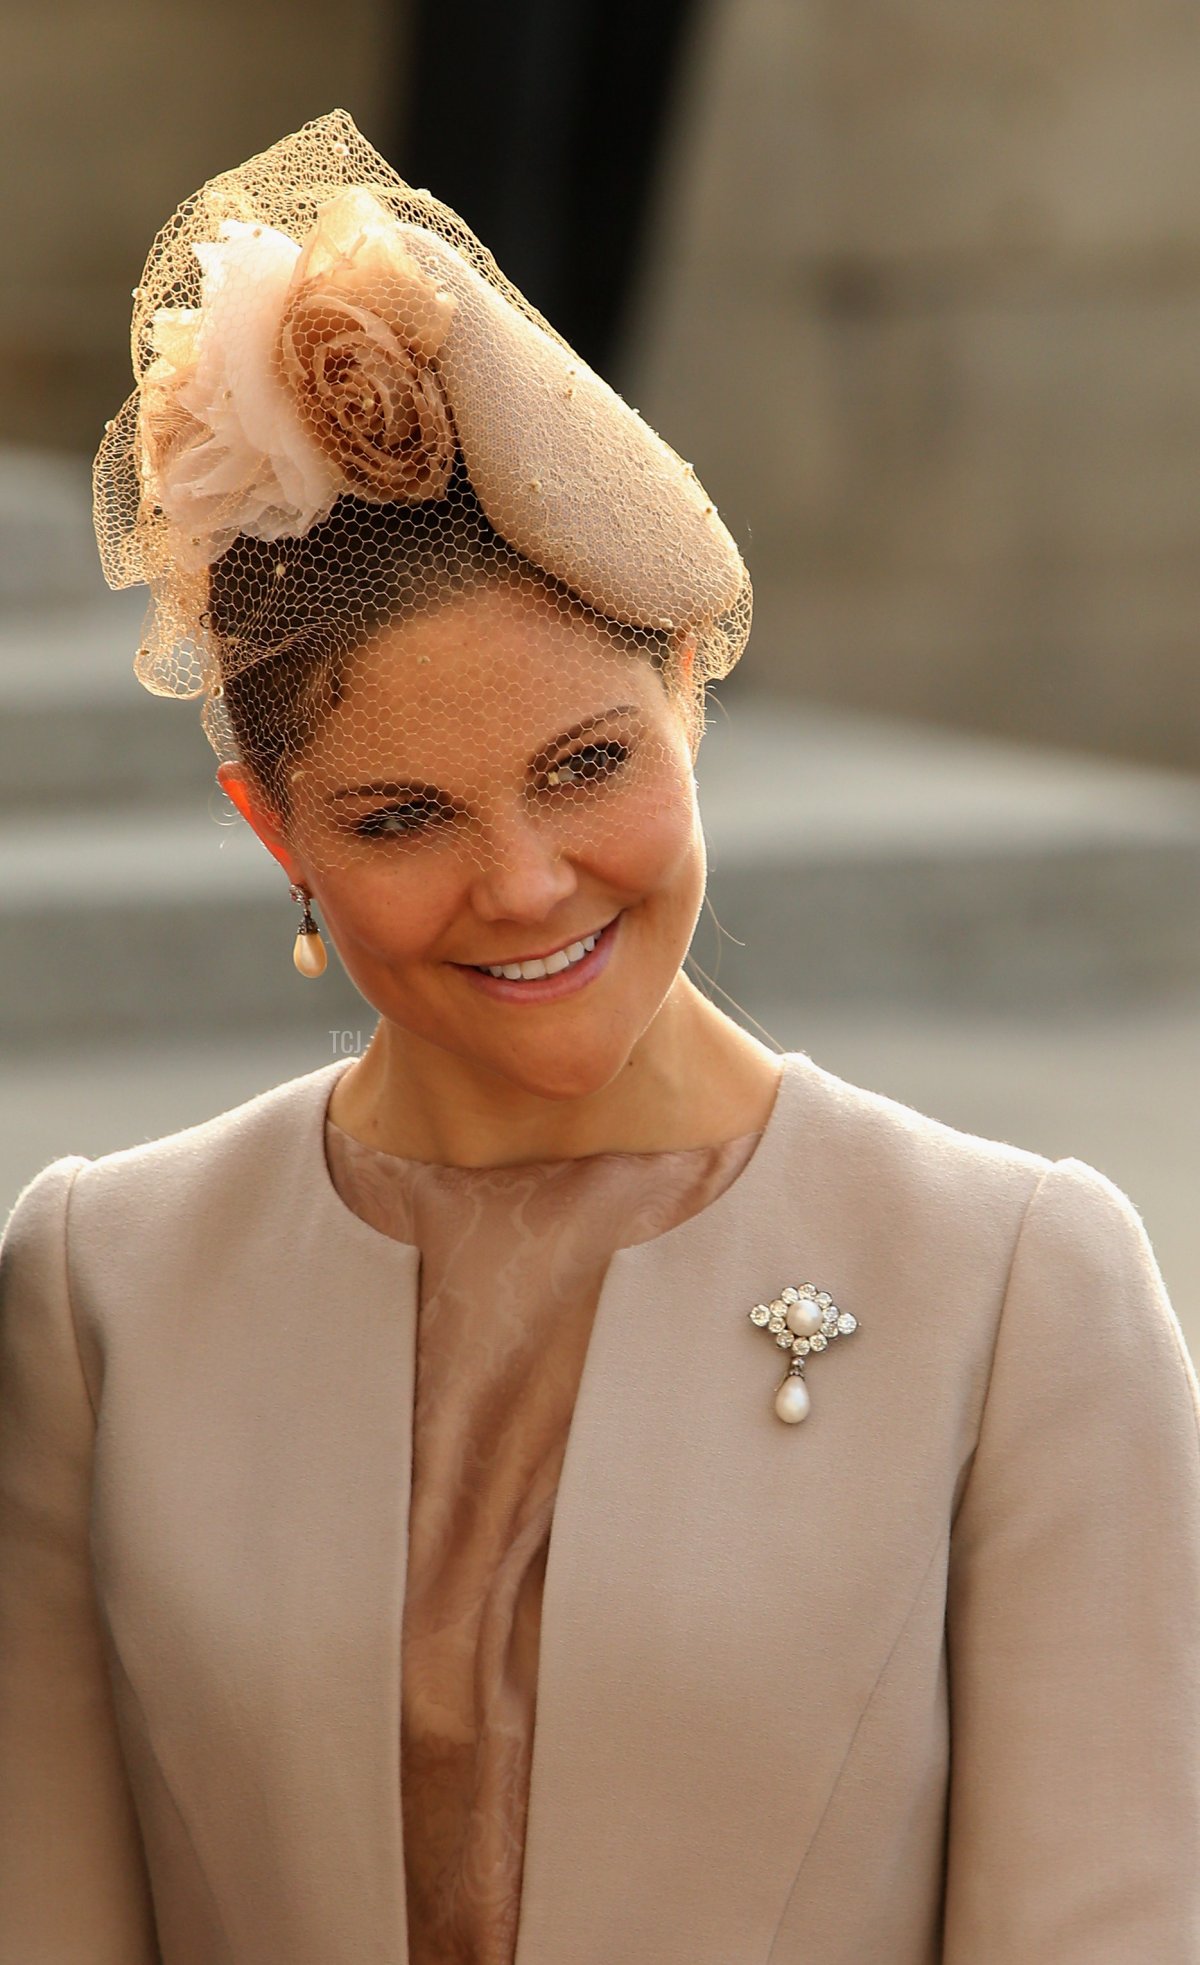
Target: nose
(526, 875)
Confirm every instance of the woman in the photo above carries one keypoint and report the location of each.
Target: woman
(459, 1386)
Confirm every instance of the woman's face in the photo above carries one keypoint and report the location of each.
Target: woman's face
(500, 783)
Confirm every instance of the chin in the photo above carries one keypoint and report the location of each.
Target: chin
(576, 1069)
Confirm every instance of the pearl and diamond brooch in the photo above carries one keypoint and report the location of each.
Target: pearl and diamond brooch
(802, 1319)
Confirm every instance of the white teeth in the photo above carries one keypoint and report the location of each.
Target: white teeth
(550, 965)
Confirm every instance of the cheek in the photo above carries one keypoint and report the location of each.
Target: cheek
(392, 914)
(654, 848)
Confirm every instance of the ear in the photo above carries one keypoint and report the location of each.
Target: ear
(237, 784)
(685, 663)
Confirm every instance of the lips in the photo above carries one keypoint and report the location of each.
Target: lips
(548, 986)
(585, 941)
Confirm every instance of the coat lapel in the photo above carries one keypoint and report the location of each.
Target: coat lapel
(253, 1477)
(722, 1589)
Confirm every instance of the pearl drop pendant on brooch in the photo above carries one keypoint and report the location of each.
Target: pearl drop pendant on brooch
(802, 1319)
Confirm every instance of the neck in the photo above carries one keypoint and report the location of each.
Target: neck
(694, 1078)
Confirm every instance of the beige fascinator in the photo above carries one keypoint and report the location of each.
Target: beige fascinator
(345, 415)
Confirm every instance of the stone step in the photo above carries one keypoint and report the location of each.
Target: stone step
(153, 920)
(47, 545)
(76, 726)
(851, 860)
(865, 859)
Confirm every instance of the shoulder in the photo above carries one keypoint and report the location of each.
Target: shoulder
(1044, 1260)
(862, 1134)
(227, 1158)
(920, 1186)
(33, 1240)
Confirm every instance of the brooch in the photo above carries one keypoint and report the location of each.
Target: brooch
(801, 1319)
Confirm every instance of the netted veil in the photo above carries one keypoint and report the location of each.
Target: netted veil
(393, 527)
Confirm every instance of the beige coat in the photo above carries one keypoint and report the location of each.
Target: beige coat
(916, 1680)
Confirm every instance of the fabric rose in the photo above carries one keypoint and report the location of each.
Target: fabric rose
(223, 448)
(361, 330)
(165, 427)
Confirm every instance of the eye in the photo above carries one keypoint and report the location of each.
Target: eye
(414, 815)
(590, 765)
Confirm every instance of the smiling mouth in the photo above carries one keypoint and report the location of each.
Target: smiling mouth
(532, 968)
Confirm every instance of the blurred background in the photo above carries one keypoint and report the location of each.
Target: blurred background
(917, 289)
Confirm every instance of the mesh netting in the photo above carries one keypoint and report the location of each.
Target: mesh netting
(437, 584)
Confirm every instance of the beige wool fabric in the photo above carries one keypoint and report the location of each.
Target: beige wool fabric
(914, 1682)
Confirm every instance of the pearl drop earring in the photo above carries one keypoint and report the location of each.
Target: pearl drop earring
(308, 953)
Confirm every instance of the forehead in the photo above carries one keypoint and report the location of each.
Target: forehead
(480, 678)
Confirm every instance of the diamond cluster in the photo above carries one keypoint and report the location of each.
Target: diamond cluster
(773, 1317)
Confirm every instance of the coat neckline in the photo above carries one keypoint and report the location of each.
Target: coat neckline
(741, 1192)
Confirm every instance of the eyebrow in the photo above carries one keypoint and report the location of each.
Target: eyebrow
(392, 787)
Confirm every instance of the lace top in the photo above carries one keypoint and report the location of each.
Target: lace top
(512, 1260)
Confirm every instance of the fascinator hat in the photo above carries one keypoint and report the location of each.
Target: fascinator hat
(346, 418)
